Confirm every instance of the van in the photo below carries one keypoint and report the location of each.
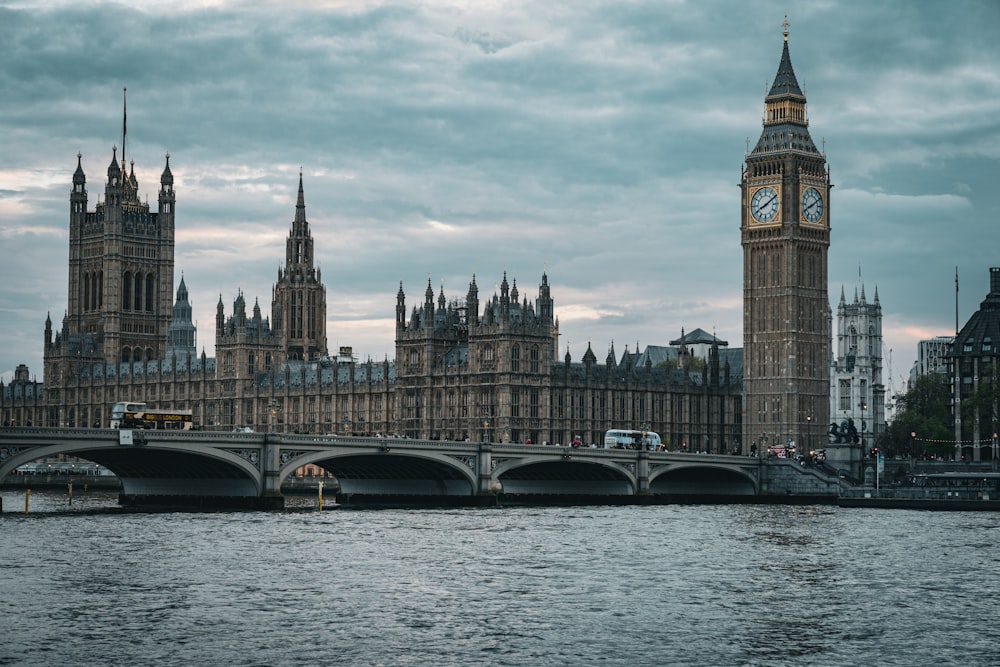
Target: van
(631, 439)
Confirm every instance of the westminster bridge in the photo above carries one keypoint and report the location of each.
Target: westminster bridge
(208, 468)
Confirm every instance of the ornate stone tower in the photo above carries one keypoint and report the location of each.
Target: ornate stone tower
(485, 377)
(856, 391)
(785, 229)
(299, 306)
(182, 335)
(121, 274)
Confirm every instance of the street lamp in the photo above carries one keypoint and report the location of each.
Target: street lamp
(274, 407)
(807, 445)
(864, 406)
(994, 456)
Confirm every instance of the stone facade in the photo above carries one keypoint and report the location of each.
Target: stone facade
(785, 228)
(464, 369)
(857, 393)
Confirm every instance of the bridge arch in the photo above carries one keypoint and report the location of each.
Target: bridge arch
(543, 475)
(391, 473)
(701, 479)
(173, 468)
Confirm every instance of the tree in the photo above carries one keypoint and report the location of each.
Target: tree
(923, 426)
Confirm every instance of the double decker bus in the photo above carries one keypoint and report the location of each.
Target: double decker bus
(138, 416)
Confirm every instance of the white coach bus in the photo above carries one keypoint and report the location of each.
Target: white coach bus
(629, 439)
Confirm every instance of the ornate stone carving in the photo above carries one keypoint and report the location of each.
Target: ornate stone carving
(251, 455)
(289, 454)
(8, 452)
(495, 461)
(470, 461)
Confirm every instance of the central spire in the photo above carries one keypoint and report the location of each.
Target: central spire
(786, 120)
(300, 205)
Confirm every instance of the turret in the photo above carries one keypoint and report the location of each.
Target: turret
(472, 302)
(545, 307)
(428, 306)
(78, 196)
(167, 195)
(400, 309)
(113, 188)
(220, 317)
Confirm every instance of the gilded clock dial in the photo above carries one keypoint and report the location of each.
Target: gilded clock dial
(764, 204)
(812, 205)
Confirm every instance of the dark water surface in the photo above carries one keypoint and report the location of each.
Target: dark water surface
(664, 585)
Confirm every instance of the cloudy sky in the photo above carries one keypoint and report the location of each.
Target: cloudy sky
(600, 141)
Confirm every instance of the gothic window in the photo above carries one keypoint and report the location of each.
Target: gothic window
(228, 366)
(515, 403)
(127, 291)
(137, 299)
(149, 293)
(515, 359)
(126, 355)
(845, 396)
(852, 340)
(251, 363)
(534, 403)
(871, 341)
(534, 359)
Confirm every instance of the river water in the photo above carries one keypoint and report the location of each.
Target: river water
(663, 585)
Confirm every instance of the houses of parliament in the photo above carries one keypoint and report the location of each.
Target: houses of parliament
(468, 366)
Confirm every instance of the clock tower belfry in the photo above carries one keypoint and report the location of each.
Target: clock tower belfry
(785, 232)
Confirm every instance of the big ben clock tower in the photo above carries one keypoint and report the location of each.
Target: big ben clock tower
(785, 230)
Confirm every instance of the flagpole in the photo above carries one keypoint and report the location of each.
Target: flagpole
(124, 124)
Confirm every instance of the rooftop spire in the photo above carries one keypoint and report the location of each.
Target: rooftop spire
(300, 204)
(785, 82)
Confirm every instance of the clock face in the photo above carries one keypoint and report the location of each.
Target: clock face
(764, 204)
(812, 205)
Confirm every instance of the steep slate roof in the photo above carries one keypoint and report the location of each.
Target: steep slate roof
(981, 334)
(697, 337)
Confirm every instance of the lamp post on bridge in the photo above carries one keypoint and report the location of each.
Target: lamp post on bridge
(274, 408)
(807, 436)
(486, 426)
(993, 457)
